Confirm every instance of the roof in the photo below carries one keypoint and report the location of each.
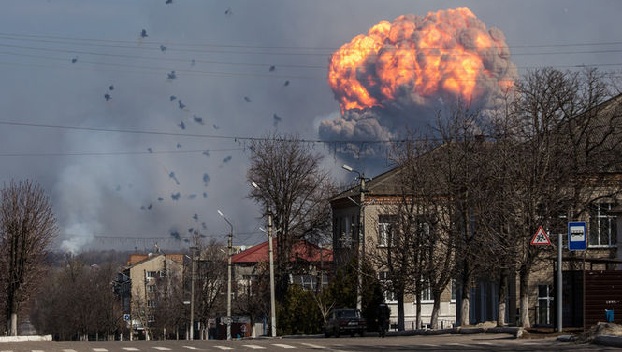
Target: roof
(140, 258)
(302, 250)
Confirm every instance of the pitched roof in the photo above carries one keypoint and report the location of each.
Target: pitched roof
(302, 250)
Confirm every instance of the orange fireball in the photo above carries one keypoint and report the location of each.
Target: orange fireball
(448, 54)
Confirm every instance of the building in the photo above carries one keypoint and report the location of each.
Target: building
(363, 217)
(145, 286)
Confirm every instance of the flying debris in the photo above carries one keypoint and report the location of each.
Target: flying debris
(198, 119)
(227, 159)
(150, 150)
(228, 11)
(176, 234)
(195, 217)
(107, 97)
(172, 98)
(178, 145)
(160, 199)
(192, 196)
(193, 62)
(181, 105)
(272, 68)
(74, 60)
(150, 206)
(276, 119)
(172, 176)
(215, 126)
(204, 194)
(205, 152)
(162, 48)
(182, 125)
(286, 83)
(247, 99)
(206, 179)
(143, 33)
(176, 196)
(169, 2)
(171, 75)
(111, 87)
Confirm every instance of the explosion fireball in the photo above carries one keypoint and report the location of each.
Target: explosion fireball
(447, 54)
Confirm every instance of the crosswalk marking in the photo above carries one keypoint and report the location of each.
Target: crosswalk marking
(190, 347)
(162, 348)
(6, 351)
(69, 350)
(100, 349)
(310, 345)
(255, 347)
(282, 345)
(223, 347)
(131, 349)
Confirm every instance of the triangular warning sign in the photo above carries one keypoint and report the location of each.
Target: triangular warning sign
(540, 238)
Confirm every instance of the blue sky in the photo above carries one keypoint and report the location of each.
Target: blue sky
(131, 170)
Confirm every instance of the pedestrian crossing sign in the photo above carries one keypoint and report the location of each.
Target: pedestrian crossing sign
(540, 238)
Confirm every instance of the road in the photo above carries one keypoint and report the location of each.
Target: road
(475, 342)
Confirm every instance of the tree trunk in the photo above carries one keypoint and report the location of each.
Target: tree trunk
(400, 310)
(436, 308)
(524, 297)
(12, 324)
(465, 297)
(503, 296)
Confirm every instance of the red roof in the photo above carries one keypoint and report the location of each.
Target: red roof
(302, 250)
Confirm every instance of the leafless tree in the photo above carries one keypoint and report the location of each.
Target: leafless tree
(27, 228)
(566, 149)
(210, 281)
(295, 189)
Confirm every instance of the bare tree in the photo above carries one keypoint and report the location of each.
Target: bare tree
(27, 228)
(295, 189)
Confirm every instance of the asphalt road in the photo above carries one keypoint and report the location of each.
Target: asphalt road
(453, 342)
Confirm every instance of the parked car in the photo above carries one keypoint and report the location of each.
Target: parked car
(345, 321)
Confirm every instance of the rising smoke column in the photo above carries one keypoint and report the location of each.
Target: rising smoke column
(399, 74)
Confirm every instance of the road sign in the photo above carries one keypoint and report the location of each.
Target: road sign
(126, 317)
(577, 241)
(540, 238)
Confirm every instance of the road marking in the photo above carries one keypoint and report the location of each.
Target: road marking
(310, 345)
(190, 347)
(6, 351)
(223, 347)
(100, 349)
(162, 348)
(69, 350)
(255, 347)
(282, 345)
(131, 349)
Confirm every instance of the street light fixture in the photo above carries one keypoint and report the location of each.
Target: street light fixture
(361, 238)
(271, 259)
(229, 246)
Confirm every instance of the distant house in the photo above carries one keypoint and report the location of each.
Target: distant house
(311, 264)
(142, 282)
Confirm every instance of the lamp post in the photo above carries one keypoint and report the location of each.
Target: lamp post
(271, 260)
(192, 279)
(361, 238)
(229, 246)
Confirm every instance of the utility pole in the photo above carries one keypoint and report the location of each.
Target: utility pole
(361, 238)
(192, 280)
(271, 258)
(229, 252)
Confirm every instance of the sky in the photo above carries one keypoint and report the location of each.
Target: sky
(135, 116)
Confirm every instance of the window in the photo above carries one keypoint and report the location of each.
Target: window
(602, 226)
(151, 303)
(387, 287)
(426, 293)
(151, 288)
(385, 230)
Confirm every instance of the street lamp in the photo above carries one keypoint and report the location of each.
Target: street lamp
(229, 245)
(271, 259)
(361, 239)
(192, 279)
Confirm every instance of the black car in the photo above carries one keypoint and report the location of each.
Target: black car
(345, 321)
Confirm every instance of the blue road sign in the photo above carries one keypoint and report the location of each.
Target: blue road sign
(577, 238)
